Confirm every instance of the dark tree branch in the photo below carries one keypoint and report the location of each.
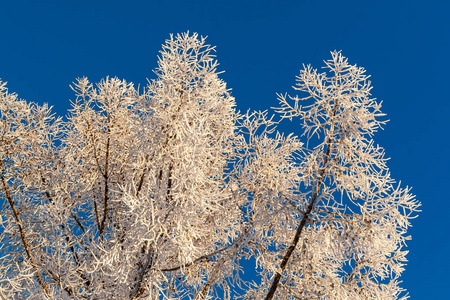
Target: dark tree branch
(23, 236)
(305, 218)
(144, 268)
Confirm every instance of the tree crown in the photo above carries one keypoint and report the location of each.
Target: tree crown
(159, 194)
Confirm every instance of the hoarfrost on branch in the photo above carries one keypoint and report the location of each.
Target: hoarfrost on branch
(159, 194)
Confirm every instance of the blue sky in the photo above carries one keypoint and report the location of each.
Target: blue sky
(261, 45)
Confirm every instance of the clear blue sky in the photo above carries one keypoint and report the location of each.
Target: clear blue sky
(261, 45)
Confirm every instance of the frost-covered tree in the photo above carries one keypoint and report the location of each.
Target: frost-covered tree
(160, 194)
